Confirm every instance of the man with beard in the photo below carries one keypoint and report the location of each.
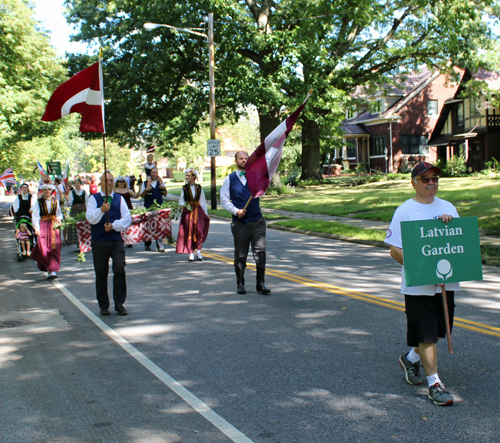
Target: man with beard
(248, 226)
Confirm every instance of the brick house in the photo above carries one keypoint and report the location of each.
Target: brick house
(469, 126)
(392, 130)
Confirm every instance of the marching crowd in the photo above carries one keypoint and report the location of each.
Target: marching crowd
(108, 212)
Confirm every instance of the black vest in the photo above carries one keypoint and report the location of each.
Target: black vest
(189, 197)
(24, 206)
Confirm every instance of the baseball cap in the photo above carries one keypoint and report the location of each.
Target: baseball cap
(423, 167)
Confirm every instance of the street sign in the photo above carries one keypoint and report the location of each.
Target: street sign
(54, 168)
(435, 252)
(213, 148)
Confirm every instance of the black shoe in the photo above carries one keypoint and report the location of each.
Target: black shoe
(104, 311)
(241, 289)
(147, 248)
(261, 289)
(128, 246)
(121, 310)
(161, 250)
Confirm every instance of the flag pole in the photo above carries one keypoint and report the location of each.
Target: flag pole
(447, 319)
(248, 202)
(103, 135)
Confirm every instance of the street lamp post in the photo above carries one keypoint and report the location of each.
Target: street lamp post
(211, 65)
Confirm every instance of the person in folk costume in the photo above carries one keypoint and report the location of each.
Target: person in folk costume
(76, 200)
(153, 191)
(107, 242)
(44, 180)
(60, 191)
(21, 205)
(248, 226)
(46, 214)
(194, 224)
(121, 187)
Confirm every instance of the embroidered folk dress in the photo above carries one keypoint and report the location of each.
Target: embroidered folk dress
(47, 251)
(193, 228)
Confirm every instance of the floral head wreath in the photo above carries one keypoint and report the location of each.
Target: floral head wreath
(193, 171)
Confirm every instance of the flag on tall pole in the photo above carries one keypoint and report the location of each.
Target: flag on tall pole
(66, 172)
(40, 168)
(8, 178)
(82, 93)
(264, 161)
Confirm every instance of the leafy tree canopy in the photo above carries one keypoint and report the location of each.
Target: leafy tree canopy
(29, 72)
(268, 54)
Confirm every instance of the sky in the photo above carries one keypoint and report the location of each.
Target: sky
(49, 14)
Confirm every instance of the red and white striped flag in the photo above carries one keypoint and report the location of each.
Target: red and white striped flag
(82, 93)
(8, 178)
(264, 161)
(151, 149)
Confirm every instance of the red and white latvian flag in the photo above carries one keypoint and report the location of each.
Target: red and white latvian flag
(264, 161)
(8, 178)
(82, 93)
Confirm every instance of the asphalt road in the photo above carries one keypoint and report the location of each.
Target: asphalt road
(315, 362)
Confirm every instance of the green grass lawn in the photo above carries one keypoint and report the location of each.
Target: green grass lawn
(473, 196)
(334, 228)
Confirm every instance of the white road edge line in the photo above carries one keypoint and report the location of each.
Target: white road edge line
(193, 401)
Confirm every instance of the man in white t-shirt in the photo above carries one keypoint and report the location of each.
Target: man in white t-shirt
(424, 304)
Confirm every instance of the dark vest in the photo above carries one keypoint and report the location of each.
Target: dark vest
(78, 199)
(43, 208)
(98, 232)
(156, 194)
(24, 206)
(239, 196)
(189, 197)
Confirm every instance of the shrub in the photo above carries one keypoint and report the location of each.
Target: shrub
(362, 168)
(293, 178)
(287, 189)
(492, 168)
(456, 167)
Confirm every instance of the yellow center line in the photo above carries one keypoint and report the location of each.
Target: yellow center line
(396, 305)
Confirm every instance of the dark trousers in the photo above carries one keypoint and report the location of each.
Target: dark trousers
(148, 243)
(102, 251)
(251, 233)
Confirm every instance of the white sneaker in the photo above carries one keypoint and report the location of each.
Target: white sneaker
(52, 275)
(191, 257)
(199, 256)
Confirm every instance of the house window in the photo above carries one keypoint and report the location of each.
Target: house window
(460, 114)
(378, 108)
(377, 146)
(351, 113)
(414, 145)
(474, 107)
(432, 107)
(351, 148)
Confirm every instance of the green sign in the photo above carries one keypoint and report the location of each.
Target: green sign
(54, 168)
(435, 252)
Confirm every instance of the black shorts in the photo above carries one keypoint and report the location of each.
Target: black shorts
(425, 317)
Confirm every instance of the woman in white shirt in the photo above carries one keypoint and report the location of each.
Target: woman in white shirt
(194, 224)
(76, 199)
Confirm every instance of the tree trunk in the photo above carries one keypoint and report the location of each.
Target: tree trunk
(311, 158)
(269, 122)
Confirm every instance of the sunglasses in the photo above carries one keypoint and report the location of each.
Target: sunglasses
(426, 180)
